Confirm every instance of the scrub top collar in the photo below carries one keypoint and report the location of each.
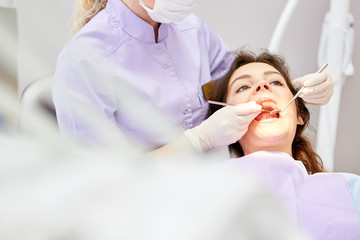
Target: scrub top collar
(133, 25)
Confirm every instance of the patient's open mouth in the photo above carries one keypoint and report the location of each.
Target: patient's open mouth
(268, 105)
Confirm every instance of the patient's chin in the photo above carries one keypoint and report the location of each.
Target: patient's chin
(271, 136)
(269, 132)
(265, 137)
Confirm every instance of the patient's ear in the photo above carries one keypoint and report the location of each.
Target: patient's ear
(300, 120)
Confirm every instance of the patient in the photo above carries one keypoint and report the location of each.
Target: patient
(265, 79)
(275, 150)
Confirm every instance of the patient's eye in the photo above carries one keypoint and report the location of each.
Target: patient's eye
(276, 83)
(242, 88)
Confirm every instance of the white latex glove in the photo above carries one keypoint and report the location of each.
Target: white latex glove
(318, 90)
(224, 127)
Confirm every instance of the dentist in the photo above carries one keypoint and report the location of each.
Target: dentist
(163, 52)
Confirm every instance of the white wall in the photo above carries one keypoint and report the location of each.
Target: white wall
(43, 27)
(348, 144)
(252, 23)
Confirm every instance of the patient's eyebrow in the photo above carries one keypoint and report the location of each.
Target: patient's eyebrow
(249, 76)
(271, 72)
(239, 78)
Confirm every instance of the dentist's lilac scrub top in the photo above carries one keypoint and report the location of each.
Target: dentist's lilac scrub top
(117, 47)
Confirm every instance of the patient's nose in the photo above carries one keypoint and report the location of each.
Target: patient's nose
(262, 86)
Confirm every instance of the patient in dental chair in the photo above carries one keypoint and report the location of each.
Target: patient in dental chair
(275, 150)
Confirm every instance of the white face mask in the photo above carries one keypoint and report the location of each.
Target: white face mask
(168, 11)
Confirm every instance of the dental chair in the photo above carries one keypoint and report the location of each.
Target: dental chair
(37, 95)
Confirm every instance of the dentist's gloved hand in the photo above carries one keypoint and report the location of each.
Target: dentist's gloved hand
(318, 90)
(224, 127)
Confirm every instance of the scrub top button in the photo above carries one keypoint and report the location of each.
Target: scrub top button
(185, 111)
(164, 66)
(185, 125)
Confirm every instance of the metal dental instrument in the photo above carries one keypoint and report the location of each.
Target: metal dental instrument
(298, 93)
(219, 103)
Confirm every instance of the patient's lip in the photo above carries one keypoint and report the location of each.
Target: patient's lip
(267, 105)
(267, 115)
(265, 99)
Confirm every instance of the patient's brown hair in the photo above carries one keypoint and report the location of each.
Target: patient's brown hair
(301, 147)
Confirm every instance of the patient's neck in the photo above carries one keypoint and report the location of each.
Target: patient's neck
(251, 149)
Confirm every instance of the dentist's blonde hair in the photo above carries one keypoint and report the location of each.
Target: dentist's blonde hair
(86, 10)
